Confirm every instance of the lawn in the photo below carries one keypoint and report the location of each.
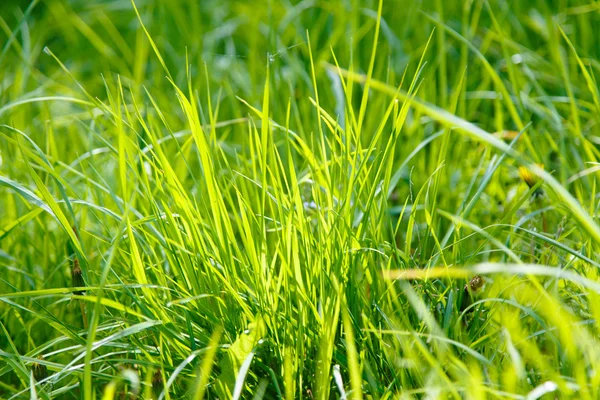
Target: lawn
(316, 199)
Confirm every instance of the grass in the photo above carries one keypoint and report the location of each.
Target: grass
(314, 199)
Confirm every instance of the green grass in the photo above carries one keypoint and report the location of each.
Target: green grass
(299, 199)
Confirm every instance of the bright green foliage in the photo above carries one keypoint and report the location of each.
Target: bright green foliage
(299, 199)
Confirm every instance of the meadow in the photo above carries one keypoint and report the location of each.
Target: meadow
(315, 199)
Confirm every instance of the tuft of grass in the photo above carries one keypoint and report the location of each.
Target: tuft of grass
(312, 199)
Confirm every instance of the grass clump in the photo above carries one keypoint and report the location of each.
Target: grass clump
(315, 199)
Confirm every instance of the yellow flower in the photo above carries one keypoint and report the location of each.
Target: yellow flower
(528, 177)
